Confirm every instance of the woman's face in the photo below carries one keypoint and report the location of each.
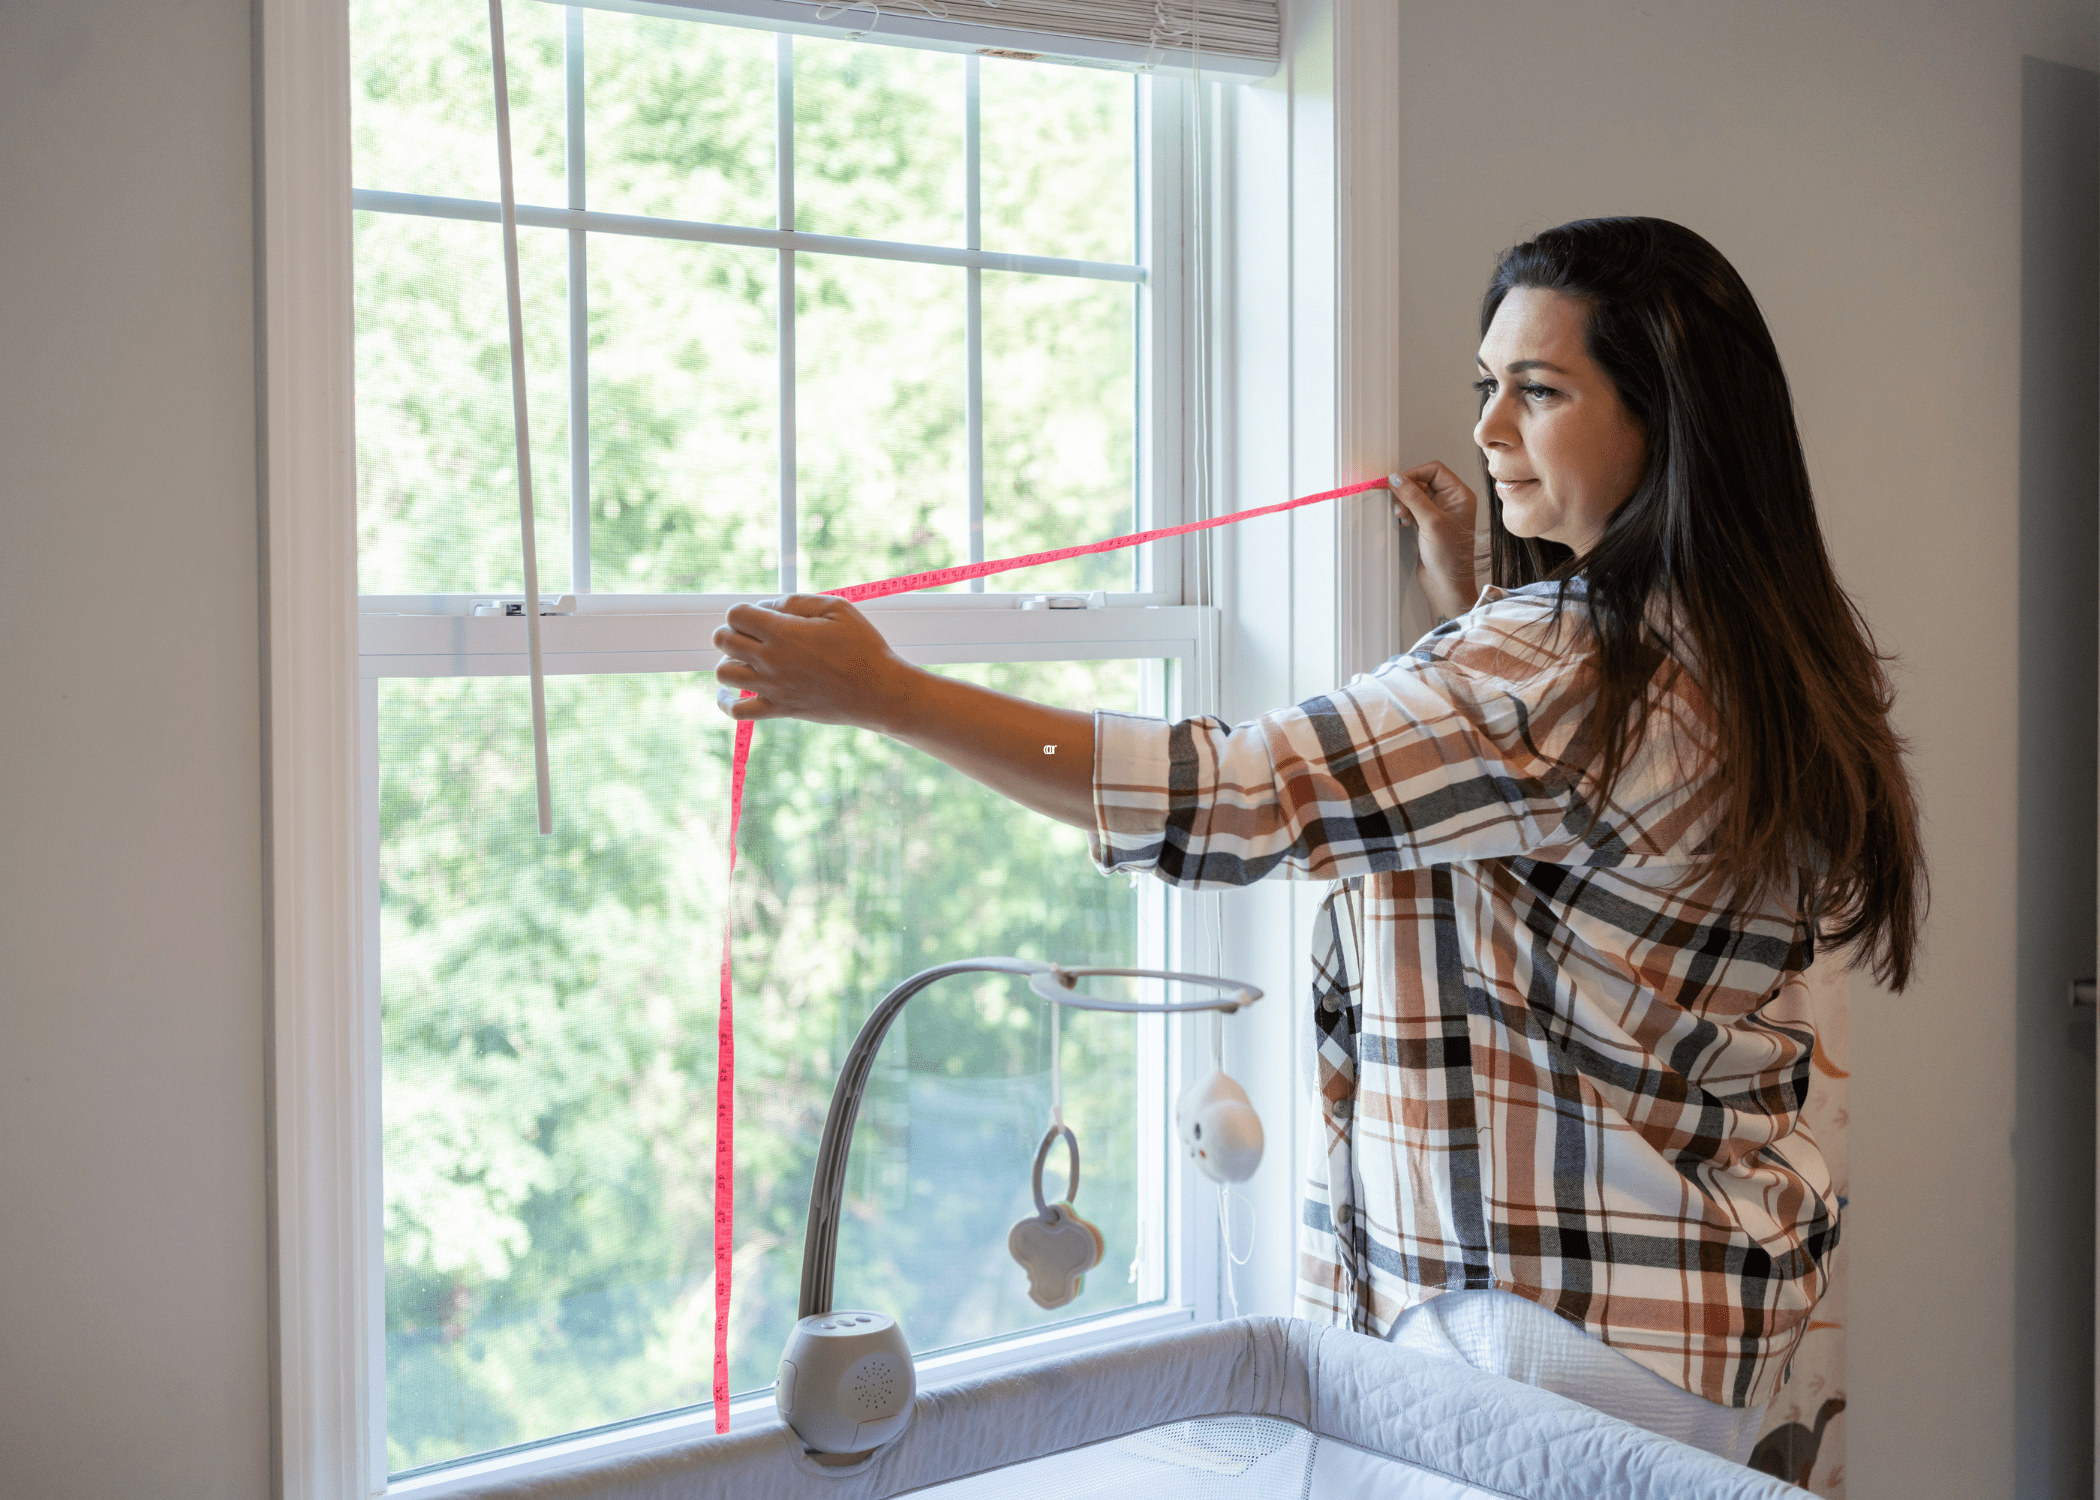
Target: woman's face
(1563, 451)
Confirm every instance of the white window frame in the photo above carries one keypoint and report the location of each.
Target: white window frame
(1308, 204)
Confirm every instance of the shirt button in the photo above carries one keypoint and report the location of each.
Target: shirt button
(1331, 1002)
(1342, 1216)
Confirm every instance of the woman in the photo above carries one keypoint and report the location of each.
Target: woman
(1587, 835)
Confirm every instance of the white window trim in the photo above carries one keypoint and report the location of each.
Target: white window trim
(321, 1128)
(1311, 204)
(1307, 399)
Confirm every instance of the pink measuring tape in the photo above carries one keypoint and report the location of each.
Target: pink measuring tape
(725, 1025)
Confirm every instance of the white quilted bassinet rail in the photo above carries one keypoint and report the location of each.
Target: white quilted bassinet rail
(1258, 1407)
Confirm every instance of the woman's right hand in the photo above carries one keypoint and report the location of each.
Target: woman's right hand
(1440, 507)
(814, 657)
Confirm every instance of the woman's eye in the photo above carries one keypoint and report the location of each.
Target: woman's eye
(1540, 392)
(1483, 388)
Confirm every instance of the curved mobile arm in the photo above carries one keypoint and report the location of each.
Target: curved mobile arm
(827, 1190)
(1060, 986)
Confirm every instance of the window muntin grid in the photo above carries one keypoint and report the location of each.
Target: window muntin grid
(1069, 493)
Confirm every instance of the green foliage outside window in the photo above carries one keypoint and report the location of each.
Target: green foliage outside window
(549, 1014)
(548, 1004)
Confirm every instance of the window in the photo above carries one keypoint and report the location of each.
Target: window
(799, 312)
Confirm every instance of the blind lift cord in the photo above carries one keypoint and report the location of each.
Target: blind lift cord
(514, 296)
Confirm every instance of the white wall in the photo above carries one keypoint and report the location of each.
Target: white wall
(1861, 164)
(133, 1338)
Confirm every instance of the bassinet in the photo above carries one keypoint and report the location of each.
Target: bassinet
(1256, 1407)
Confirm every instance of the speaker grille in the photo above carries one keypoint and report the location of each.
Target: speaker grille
(875, 1387)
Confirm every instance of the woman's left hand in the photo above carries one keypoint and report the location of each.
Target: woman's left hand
(1440, 507)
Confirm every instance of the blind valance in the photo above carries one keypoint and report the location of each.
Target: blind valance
(1236, 38)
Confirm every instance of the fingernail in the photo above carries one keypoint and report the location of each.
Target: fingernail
(725, 696)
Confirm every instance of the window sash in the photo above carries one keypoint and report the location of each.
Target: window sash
(1157, 571)
(1184, 637)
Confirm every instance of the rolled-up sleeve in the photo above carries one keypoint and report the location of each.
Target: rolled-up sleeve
(1415, 765)
(1131, 798)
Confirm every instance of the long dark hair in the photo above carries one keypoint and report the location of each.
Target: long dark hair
(1814, 797)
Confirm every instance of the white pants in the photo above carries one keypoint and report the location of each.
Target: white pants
(1507, 1335)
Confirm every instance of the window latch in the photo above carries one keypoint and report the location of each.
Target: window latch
(550, 604)
(1098, 599)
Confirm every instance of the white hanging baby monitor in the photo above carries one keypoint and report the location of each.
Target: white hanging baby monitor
(846, 1381)
(1219, 1129)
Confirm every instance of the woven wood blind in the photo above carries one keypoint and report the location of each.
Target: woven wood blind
(1239, 38)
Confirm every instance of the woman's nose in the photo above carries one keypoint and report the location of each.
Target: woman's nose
(1494, 429)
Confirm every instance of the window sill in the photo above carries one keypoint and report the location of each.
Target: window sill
(935, 1371)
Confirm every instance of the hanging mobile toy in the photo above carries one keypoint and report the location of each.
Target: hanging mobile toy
(1054, 1245)
(846, 1383)
(1219, 1129)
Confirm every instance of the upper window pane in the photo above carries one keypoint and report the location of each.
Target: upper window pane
(1058, 167)
(664, 361)
(423, 99)
(685, 417)
(878, 142)
(883, 486)
(1060, 424)
(437, 496)
(679, 119)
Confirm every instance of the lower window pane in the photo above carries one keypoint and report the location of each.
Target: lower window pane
(548, 1022)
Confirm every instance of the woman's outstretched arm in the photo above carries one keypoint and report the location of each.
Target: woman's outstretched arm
(816, 657)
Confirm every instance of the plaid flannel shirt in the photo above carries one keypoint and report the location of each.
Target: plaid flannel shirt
(1551, 1058)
